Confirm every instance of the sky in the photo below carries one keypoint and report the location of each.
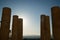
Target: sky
(30, 11)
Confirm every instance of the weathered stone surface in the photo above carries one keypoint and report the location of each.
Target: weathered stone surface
(45, 27)
(55, 12)
(5, 23)
(20, 29)
(14, 27)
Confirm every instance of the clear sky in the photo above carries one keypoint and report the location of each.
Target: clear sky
(30, 11)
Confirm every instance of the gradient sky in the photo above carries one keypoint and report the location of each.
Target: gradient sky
(30, 11)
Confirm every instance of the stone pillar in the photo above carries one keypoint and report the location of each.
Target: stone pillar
(42, 27)
(5, 23)
(55, 12)
(45, 28)
(20, 29)
(14, 27)
(0, 31)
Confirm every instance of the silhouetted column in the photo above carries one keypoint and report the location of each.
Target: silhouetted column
(55, 12)
(45, 28)
(0, 31)
(14, 27)
(42, 27)
(5, 23)
(20, 29)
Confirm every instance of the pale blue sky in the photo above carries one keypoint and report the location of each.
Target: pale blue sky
(30, 10)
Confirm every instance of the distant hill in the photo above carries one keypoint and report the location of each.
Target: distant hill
(31, 37)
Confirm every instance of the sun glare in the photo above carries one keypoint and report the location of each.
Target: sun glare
(25, 21)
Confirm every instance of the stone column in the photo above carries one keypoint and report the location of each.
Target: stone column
(5, 23)
(20, 29)
(42, 27)
(45, 28)
(14, 27)
(55, 12)
(0, 31)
